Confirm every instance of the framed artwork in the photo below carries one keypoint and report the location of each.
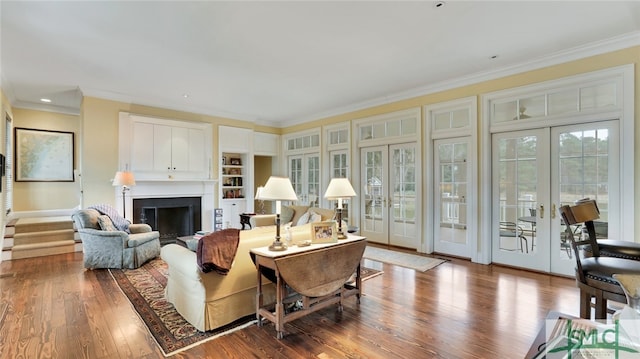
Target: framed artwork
(43, 156)
(324, 232)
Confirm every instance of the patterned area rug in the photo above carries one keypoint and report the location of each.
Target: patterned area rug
(144, 287)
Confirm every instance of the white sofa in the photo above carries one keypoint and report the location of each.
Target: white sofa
(211, 300)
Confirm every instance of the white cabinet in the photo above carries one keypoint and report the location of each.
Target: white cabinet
(178, 149)
(160, 149)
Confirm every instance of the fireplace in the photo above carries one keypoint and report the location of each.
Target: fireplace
(173, 217)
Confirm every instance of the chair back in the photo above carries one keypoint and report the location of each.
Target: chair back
(585, 211)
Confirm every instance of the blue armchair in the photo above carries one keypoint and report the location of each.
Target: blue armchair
(114, 248)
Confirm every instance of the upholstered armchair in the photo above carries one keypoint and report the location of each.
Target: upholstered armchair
(109, 247)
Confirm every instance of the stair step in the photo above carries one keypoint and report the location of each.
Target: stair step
(42, 249)
(42, 237)
(41, 224)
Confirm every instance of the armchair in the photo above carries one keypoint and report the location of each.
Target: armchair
(114, 248)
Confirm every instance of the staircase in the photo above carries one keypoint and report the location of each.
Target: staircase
(39, 236)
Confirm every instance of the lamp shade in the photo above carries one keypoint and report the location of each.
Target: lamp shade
(259, 193)
(278, 189)
(339, 188)
(124, 178)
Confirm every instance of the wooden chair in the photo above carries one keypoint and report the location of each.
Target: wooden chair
(594, 273)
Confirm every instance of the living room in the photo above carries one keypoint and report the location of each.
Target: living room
(96, 160)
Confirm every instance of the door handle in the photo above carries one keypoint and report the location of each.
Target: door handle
(553, 211)
(541, 210)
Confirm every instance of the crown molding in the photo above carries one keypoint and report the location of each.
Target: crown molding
(571, 54)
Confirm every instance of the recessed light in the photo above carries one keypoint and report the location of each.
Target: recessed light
(185, 95)
(438, 4)
(47, 100)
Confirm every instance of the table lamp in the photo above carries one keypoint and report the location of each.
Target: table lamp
(126, 180)
(339, 189)
(278, 189)
(260, 199)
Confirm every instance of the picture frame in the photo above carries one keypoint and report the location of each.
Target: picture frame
(324, 232)
(235, 162)
(43, 155)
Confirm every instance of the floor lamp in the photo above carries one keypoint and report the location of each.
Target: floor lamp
(278, 189)
(339, 189)
(126, 180)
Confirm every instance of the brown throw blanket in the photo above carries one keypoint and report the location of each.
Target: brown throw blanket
(217, 250)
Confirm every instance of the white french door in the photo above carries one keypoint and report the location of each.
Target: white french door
(389, 195)
(451, 213)
(537, 171)
(304, 172)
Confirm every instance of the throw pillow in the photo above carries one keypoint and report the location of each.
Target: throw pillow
(314, 217)
(286, 214)
(105, 223)
(304, 219)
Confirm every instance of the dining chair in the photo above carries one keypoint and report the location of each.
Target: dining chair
(594, 272)
(512, 230)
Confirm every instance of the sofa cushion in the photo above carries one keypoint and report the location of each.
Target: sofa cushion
(105, 223)
(286, 214)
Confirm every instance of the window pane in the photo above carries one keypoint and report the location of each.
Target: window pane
(563, 102)
(393, 128)
(409, 126)
(598, 96)
(460, 118)
(503, 112)
(441, 121)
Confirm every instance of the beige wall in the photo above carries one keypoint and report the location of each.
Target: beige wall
(262, 170)
(28, 196)
(5, 109)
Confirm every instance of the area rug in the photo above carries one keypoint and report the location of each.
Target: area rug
(406, 260)
(144, 287)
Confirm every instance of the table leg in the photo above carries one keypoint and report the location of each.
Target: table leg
(280, 294)
(259, 296)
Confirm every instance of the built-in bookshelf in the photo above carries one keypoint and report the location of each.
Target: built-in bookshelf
(233, 176)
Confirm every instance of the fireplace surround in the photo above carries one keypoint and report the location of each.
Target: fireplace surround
(196, 192)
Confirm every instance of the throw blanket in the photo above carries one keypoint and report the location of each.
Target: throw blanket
(121, 223)
(217, 250)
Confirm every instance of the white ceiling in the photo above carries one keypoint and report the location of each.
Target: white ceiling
(280, 63)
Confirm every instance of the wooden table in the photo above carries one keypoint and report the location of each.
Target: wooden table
(317, 274)
(245, 218)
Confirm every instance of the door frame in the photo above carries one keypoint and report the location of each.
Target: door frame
(623, 76)
(358, 143)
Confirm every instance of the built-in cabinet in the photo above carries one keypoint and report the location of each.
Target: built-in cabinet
(233, 176)
(236, 173)
(165, 149)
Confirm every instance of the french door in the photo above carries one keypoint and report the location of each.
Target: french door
(389, 196)
(451, 213)
(304, 172)
(534, 173)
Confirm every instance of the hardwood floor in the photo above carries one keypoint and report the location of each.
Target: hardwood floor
(52, 307)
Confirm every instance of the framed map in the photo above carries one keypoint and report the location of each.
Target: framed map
(43, 155)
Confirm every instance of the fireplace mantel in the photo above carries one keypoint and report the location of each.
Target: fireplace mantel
(165, 188)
